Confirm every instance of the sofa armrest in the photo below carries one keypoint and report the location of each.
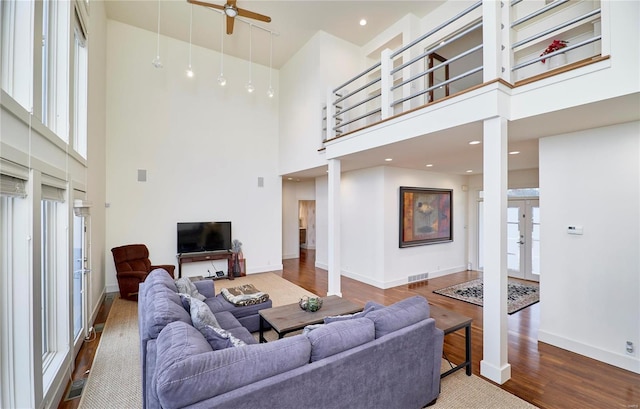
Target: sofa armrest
(169, 267)
(206, 287)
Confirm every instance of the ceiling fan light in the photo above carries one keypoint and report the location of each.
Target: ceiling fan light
(230, 11)
(222, 81)
(250, 88)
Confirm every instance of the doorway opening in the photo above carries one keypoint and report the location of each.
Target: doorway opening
(523, 234)
(307, 224)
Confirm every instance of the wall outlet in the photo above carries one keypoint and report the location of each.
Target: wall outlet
(629, 348)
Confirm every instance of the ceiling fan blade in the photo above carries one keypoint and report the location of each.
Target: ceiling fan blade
(230, 21)
(255, 16)
(232, 3)
(205, 4)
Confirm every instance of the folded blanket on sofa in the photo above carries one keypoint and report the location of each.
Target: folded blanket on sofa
(244, 295)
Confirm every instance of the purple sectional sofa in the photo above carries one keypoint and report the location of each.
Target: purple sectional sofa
(385, 357)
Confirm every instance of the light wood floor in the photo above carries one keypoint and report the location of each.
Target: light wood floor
(544, 375)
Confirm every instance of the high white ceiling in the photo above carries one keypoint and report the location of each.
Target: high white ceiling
(294, 22)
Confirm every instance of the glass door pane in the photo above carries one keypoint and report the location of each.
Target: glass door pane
(515, 236)
(78, 276)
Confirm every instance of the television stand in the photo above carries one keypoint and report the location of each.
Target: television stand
(205, 256)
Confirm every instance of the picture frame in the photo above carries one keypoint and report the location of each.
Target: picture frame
(426, 216)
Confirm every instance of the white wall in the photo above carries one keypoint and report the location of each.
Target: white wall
(96, 176)
(323, 62)
(203, 147)
(370, 227)
(590, 284)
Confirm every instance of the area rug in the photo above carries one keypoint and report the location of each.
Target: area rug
(115, 382)
(520, 294)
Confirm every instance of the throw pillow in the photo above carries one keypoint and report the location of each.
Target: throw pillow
(185, 286)
(369, 306)
(186, 301)
(310, 328)
(201, 314)
(219, 338)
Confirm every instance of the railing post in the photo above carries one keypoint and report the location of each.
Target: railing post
(331, 111)
(385, 83)
(492, 40)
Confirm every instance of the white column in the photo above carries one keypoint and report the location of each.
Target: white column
(334, 228)
(494, 364)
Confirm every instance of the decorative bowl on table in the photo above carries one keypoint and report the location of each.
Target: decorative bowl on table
(311, 304)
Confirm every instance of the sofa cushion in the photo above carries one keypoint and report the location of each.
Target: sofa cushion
(369, 306)
(185, 359)
(339, 336)
(186, 286)
(206, 287)
(162, 310)
(399, 315)
(227, 320)
(219, 338)
(160, 276)
(201, 315)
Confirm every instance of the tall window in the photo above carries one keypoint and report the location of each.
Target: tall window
(17, 50)
(55, 67)
(81, 68)
(53, 272)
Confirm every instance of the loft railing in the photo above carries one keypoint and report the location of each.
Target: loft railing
(577, 23)
(448, 60)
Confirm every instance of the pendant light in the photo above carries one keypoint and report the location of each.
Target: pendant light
(222, 81)
(250, 88)
(270, 91)
(189, 70)
(156, 61)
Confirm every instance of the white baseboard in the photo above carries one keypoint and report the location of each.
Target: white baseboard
(628, 362)
(322, 265)
(290, 256)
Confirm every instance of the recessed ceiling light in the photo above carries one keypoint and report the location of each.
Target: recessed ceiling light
(429, 165)
(388, 159)
(474, 142)
(363, 22)
(514, 152)
(289, 178)
(469, 171)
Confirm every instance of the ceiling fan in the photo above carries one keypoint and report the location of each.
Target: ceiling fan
(231, 11)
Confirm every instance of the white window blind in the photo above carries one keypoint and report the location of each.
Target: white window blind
(52, 193)
(11, 186)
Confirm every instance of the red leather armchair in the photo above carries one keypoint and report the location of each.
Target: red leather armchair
(132, 267)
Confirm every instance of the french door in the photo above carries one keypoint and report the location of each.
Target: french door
(81, 268)
(523, 239)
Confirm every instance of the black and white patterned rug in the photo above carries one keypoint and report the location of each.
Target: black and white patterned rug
(520, 295)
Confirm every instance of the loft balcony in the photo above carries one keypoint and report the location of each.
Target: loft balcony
(483, 61)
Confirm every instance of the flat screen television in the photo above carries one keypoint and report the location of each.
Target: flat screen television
(204, 236)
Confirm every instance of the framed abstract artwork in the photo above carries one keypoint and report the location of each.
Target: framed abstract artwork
(425, 216)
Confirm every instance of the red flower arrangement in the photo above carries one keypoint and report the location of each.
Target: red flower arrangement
(554, 46)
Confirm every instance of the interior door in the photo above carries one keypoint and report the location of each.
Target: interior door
(523, 239)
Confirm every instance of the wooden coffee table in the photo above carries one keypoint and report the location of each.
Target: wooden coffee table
(291, 317)
(450, 321)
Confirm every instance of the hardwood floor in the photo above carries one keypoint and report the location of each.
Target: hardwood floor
(541, 374)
